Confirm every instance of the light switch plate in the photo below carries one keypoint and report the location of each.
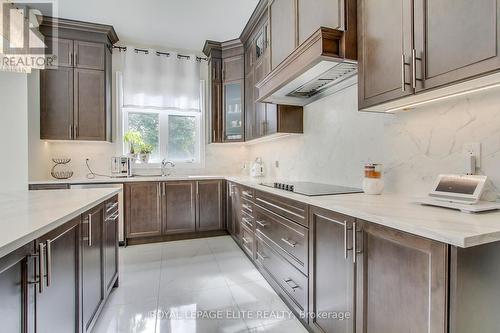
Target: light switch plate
(473, 149)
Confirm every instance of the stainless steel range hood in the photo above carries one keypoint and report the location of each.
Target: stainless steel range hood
(323, 64)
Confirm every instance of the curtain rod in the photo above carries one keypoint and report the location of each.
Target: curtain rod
(167, 54)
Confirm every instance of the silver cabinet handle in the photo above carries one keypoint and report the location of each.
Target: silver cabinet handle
(76, 59)
(247, 207)
(113, 206)
(247, 194)
(90, 230)
(403, 72)
(414, 59)
(288, 242)
(41, 270)
(71, 58)
(113, 217)
(262, 223)
(355, 250)
(48, 258)
(263, 257)
(247, 221)
(246, 241)
(289, 283)
(346, 248)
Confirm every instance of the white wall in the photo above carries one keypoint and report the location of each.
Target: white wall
(13, 132)
(414, 146)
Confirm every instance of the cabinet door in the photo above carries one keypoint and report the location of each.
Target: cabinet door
(250, 120)
(56, 104)
(90, 55)
(179, 207)
(142, 210)
(62, 49)
(321, 13)
(58, 300)
(331, 271)
(384, 40)
(233, 68)
(216, 99)
(17, 306)
(233, 111)
(111, 244)
(455, 40)
(90, 105)
(92, 266)
(209, 203)
(401, 282)
(229, 209)
(236, 212)
(283, 30)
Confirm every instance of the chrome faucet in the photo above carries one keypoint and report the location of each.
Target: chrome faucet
(164, 164)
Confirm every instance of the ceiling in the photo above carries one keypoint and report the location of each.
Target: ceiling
(181, 24)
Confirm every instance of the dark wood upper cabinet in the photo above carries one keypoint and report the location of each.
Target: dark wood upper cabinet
(385, 49)
(209, 205)
(402, 281)
(455, 40)
(283, 37)
(415, 47)
(321, 13)
(56, 104)
(90, 55)
(84, 57)
(64, 51)
(331, 271)
(89, 105)
(93, 294)
(179, 211)
(143, 209)
(58, 298)
(226, 71)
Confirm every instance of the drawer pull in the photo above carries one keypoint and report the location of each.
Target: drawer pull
(113, 217)
(247, 207)
(246, 241)
(262, 224)
(288, 242)
(247, 194)
(247, 222)
(293, 286)
(113, 206)
(261, 256)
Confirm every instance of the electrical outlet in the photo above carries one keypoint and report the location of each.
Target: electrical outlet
(473, 149)
(277, 164)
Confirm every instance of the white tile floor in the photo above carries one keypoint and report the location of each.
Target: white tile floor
(163, 285)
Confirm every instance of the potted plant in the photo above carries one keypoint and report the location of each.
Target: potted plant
(145, 152)
(134, 141)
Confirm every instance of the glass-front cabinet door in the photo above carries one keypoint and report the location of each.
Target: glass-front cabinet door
(233, 111)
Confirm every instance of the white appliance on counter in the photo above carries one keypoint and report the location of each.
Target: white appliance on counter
(460, 192)
(257, 168)
(121, 230)
(121, 166)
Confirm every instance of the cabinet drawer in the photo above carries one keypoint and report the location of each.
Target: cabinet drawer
(287, 236)
(247, 240)
(246, 206)
(248, 221)
(293, 282)
(293, 210)
(247, 193)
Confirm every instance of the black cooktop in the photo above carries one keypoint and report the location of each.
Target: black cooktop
(312, 189)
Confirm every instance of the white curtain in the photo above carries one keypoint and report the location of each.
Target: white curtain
(158, 81)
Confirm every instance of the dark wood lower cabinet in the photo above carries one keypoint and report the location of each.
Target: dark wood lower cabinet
(331, 276)
(110, 242)
(92, 266)
(57, 299)
(17, 305)
(209, 215)
(179, 207)
(143, 209)
(402, 282)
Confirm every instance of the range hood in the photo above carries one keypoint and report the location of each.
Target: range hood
(325, 63)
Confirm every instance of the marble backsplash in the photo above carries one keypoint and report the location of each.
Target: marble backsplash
(414, 146)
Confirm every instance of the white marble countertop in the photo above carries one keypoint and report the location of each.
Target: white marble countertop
(402, 213)
(106, 180)
(395, 211)
(25, 216)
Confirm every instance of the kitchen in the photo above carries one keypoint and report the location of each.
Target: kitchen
(285, 168)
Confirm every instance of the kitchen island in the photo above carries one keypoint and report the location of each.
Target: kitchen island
(55, 243)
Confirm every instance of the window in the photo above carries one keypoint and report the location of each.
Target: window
(174, 135)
